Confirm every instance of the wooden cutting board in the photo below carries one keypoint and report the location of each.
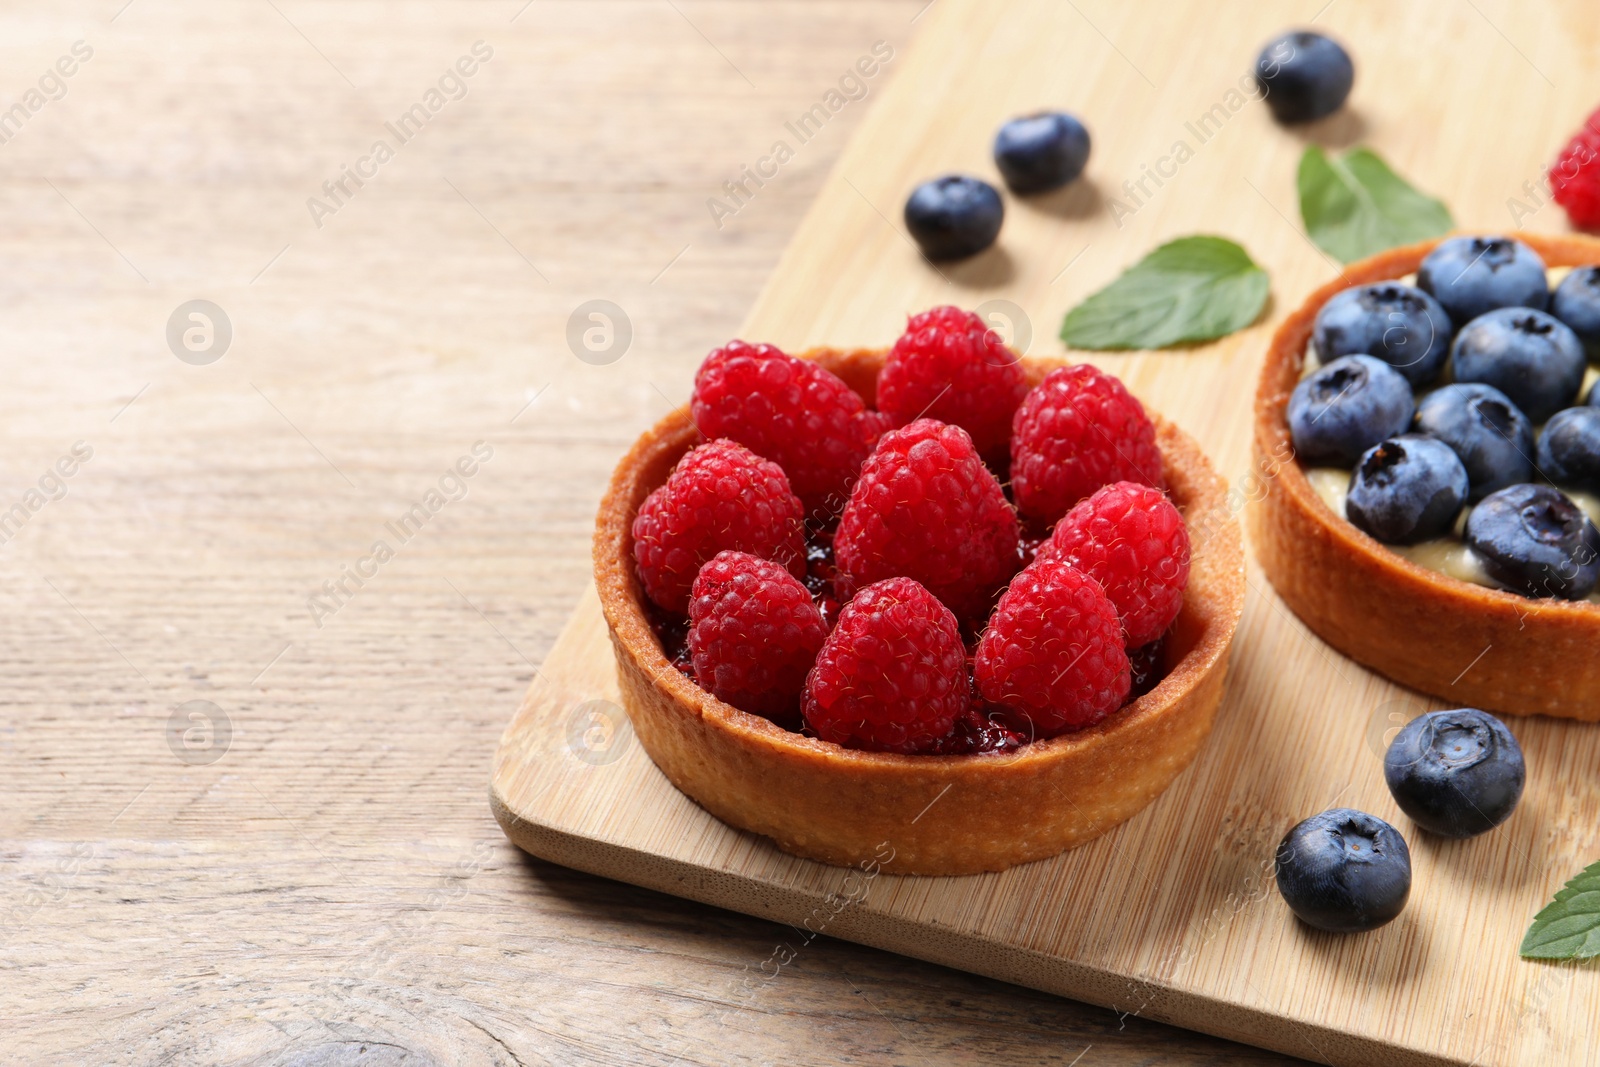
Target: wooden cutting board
(1173, 916)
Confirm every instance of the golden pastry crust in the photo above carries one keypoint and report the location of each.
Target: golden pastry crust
(1464, 643)
(941, 815)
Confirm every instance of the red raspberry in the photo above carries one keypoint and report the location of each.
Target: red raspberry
(1130, 539)
(949, 366)
(721, 495)
(892, 677)
(1575, 176)
(1078, 430)
(927, 508)
(1052, 654)
(753, 635)
(793, 412)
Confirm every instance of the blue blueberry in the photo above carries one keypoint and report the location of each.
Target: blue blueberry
(1576, 302)
(1042, 151)
(1347, 407)
(1457, 773)
(1569, 448)
(1471, 275)
(954, 217)
(1488, 432)
(1406, 489)
(1304, 76)
(1399, 324)
(1534, 540)
(1344, 871)
(1527, 355)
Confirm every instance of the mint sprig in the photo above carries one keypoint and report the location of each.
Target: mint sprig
(1568, 928)
(1191, 289)
(1355, 206)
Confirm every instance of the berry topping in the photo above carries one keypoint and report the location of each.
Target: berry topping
(1398, 324)
(1534, 540)
(1569, 448)
(1489, 433)
(753, 635)
(1347, 407)
(720, 496)
(1039, 152)
(949, 366)
(1528, 355)
(1576, 302)
(1304, 76)
(1472, 275)
(954, 217)
(1407, 489)
(977, 731)
(892, 676)
(1132, 541)
(1148, 664)
(1344, 871)
(1052, 655)
(1575, 176)
(1456, 773)
(927, 508)
(790, 411)
(1077, 430)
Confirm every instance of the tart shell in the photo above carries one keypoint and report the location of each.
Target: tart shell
(942, 815)
(1463, 643)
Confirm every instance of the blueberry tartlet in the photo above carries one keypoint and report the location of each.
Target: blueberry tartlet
(1428, 429)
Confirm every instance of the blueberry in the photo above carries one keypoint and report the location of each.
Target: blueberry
(1344, 871)
(1534, 540)
(1569, 448)
(1491, 434)
(1042, 151)
(1456, 773)
(1399, 324)
(1576, 302)
(1304, 76)
(1347, 407)
(1471, 275)
(1406, 489)
(1526, 354)
(954, 217)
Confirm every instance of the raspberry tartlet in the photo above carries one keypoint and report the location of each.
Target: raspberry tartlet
(964, 717)
(1408, 517)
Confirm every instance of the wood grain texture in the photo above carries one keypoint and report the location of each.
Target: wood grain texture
(333, 888)
(1172, 916)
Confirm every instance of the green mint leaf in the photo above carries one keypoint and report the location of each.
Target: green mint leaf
(1192, 289)
(1356, 206)
(1569, 926)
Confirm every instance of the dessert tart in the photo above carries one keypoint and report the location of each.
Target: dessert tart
(1427, 607)
(936, 814)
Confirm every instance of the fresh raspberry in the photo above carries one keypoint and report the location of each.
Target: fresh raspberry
(753, 635)
(793, 412)
(892, 677)
(1130, 539)
(1575, 176)
(1052, 654)
(949, 366)
(721, 495)
(927, 508)
(1078, 430)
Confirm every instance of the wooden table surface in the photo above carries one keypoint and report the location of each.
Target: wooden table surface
(244, 816)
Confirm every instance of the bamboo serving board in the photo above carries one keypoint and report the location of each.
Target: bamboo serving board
(1174, 915)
